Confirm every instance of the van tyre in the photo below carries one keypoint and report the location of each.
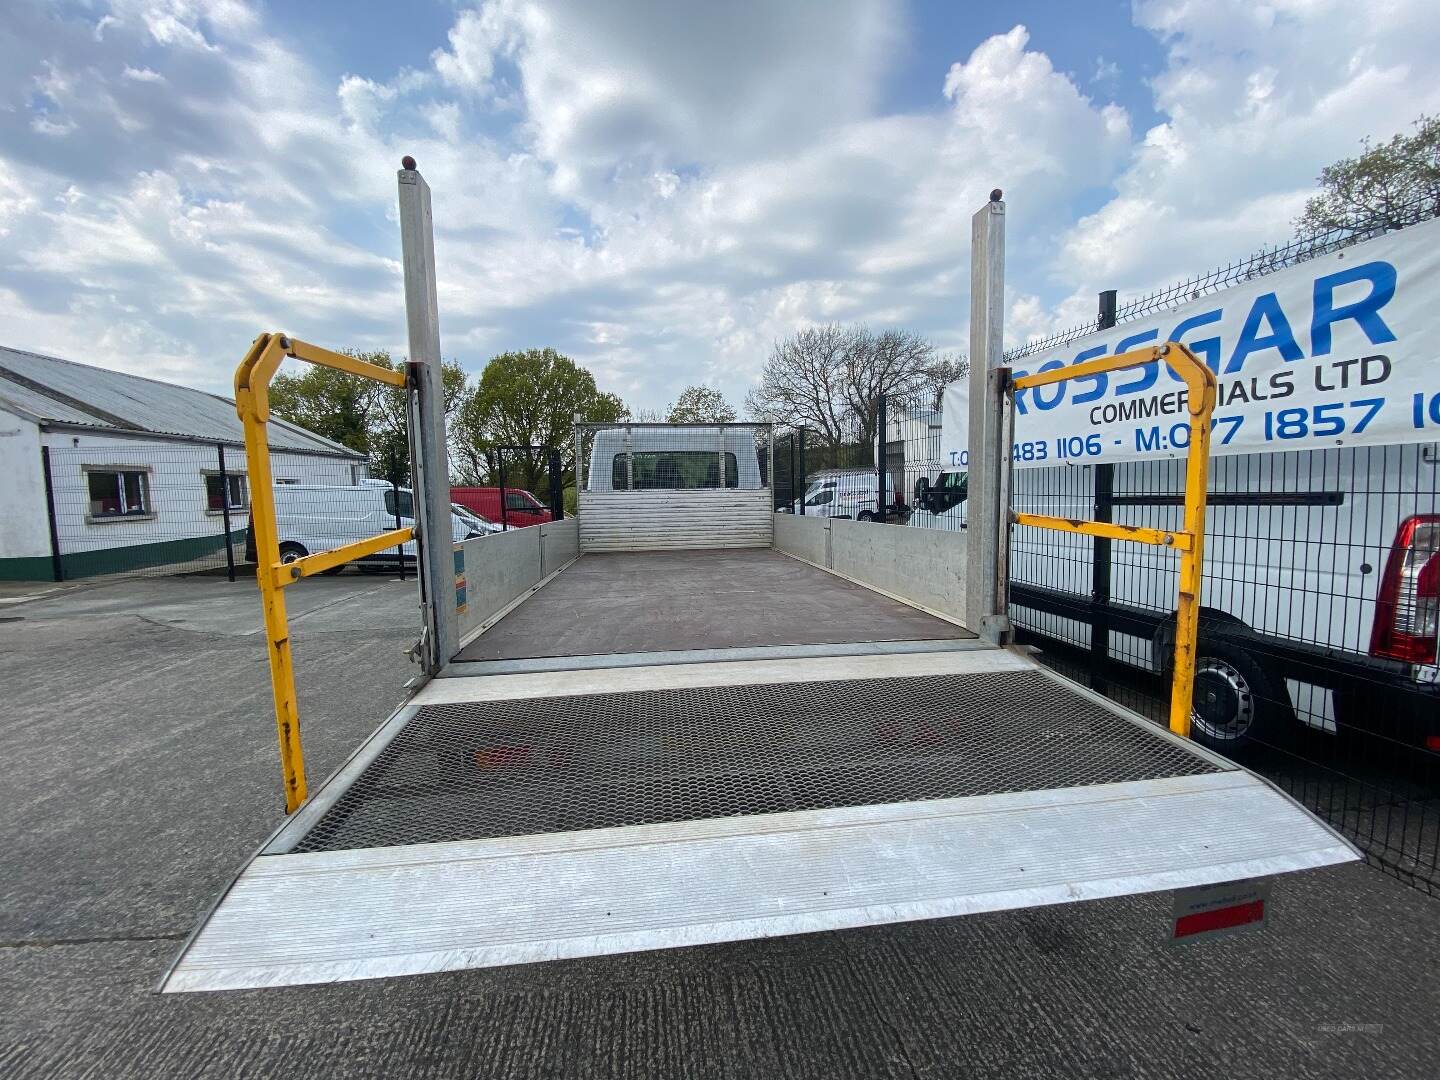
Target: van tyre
(290, 551)
(1236, 702)
(865, 515)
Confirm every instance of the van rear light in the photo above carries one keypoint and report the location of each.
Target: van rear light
(1407, 611)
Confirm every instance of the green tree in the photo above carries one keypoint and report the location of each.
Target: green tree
(1387, 186)
(700, 405)
(364, 415)
(527, 398)
(328, 402)
(389, 416)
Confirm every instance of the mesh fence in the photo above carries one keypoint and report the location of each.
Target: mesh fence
(147, 508)
(840, 470)
(512, 487)
(1319, 597)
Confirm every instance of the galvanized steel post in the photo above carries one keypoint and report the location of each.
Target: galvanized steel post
(428, 450)
(987, 520)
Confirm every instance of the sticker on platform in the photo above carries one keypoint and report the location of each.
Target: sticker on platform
(1227, 908)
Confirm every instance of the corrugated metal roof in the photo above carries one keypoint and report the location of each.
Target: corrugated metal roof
(39, 404)
(64, 392)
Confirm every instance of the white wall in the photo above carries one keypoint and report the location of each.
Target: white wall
(24, 527)
(177, 487)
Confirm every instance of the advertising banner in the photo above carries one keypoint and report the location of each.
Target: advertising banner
(1340, 350)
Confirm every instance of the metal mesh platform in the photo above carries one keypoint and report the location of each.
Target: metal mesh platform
(514, 768)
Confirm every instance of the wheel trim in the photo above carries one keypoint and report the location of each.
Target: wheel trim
(1217, 679)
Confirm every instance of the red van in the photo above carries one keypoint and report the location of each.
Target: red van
(521, 507)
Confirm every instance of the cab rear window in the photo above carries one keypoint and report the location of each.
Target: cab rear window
(676, 470)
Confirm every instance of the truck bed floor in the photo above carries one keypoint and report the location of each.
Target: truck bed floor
(652, 601)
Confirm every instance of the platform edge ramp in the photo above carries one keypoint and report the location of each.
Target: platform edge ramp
(369, 913)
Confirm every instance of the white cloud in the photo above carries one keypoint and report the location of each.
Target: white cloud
(469, 62)
(1257, 98)
(658, 189)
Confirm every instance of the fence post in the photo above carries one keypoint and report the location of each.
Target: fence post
(395, 498)
(500, 476)
(557, 487)
(800, 485)
(579, 465)
(880, 441)
(791, 462)
(57, 565)
(1100, 570)
(770, 465)
(225, 511)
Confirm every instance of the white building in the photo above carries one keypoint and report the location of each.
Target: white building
(103, 472)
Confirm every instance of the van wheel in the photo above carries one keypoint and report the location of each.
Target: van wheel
(290, 551)
(865, 515)
(1235, 700)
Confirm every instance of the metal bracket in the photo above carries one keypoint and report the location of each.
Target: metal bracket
(416, 653)
(997, 629)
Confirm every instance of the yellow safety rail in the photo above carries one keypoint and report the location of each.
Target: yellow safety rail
(1189, 540)
(252, 402)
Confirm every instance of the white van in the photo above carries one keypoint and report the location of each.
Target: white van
(311, 518)
(1320, 593)
(643, 457)
(849, 493)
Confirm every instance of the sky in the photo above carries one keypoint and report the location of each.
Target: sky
(658, 189)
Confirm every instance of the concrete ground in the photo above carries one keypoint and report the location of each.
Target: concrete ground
(139, 771)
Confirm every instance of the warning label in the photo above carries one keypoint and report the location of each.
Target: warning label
(1209, 910)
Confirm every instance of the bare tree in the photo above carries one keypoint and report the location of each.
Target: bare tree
(832, 377)
(946, 369)
(893, 363)
(803, 381)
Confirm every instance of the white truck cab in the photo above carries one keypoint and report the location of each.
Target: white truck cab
(680, 458)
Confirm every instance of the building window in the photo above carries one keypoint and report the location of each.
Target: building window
(118, 493)
(225, 492)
